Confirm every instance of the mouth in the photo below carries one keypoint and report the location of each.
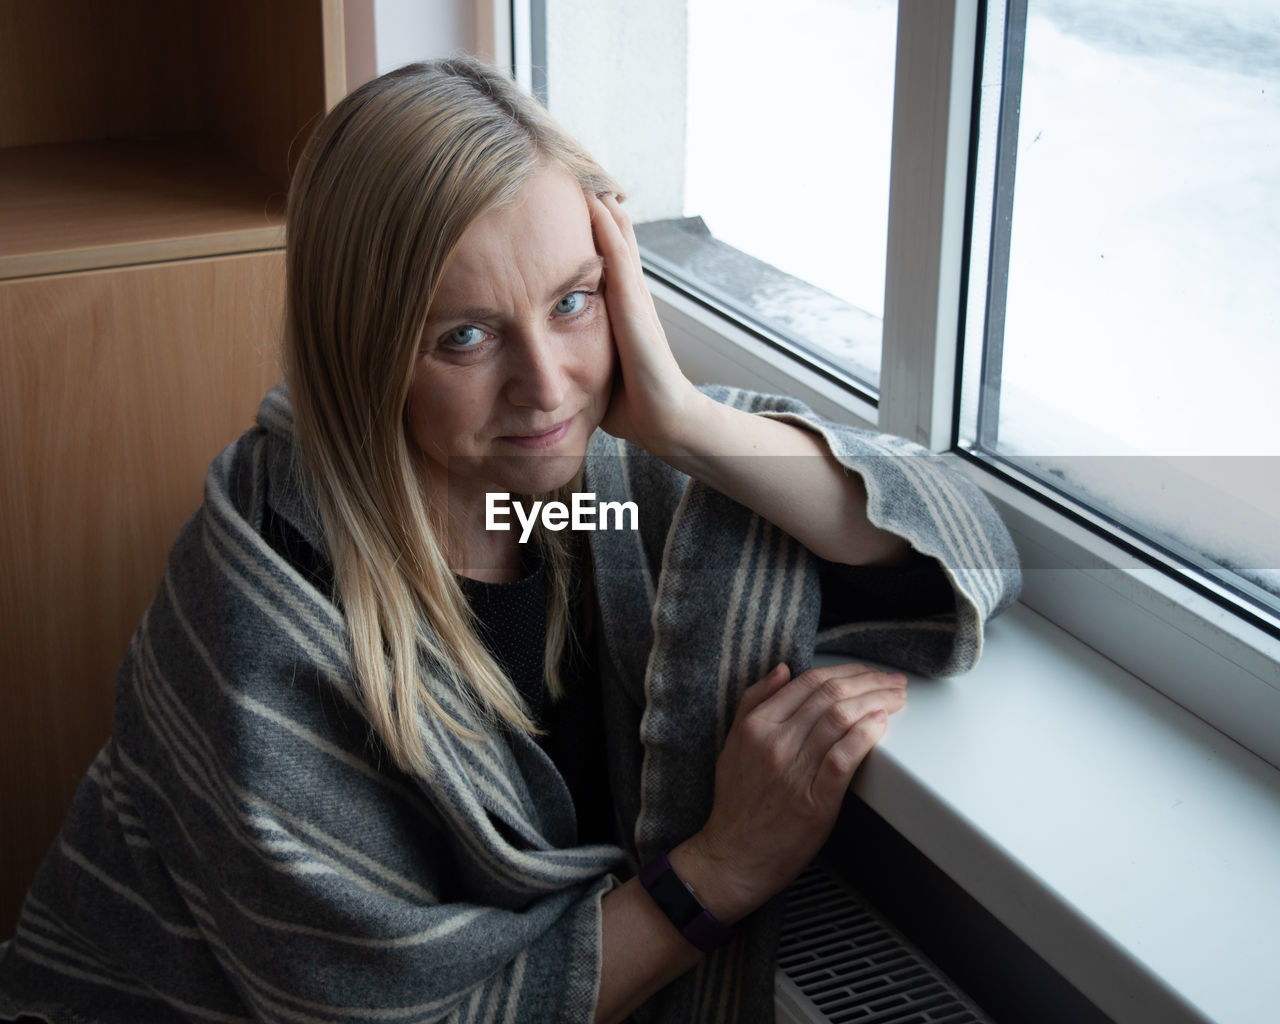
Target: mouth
(544, 439)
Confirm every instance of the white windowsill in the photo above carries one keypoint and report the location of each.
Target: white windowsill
(1133, 847)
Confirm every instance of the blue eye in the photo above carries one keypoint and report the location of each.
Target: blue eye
(572, 303)
(464, 337)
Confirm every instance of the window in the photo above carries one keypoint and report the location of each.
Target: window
(782, 164)
(775, 152)
(1068, 202)
(1121, 322)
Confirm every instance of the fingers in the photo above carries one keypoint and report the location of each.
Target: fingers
(625, 289)
(842, 758)
(615, 238)
(622, 221)
(823, 722)
(837, 681)
(761, 691)
(831, 722)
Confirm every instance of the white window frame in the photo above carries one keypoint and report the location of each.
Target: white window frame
(1197, 653)
(1210, 661)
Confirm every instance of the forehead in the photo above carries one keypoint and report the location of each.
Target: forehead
(521, 249)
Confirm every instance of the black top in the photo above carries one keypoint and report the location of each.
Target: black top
(513, 626)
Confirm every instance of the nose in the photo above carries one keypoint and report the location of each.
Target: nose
(539, 372)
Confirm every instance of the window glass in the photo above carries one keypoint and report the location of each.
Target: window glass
(753, 141)
(1122, 335)
(787, 155)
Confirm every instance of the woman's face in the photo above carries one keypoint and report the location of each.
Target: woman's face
(516, 360)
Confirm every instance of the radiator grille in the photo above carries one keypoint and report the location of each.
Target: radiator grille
(840, 961)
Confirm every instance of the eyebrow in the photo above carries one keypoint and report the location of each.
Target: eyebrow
(584, 270)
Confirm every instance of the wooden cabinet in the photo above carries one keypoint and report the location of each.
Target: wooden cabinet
(144, 153)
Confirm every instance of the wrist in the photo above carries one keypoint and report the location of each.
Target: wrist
(712, 880)
(678, 903)
(685, 429)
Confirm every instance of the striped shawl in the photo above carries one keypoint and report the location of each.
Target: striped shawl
(242, 850)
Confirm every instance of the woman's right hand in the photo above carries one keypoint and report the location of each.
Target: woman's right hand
(781, 778)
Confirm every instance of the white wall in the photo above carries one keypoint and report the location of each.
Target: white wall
(409, 30)
(616, 79)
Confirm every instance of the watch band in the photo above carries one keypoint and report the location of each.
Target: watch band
(677, 901)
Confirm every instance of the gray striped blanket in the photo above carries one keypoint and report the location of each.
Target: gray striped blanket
(241, 849)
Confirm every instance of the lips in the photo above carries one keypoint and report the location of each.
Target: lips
(545, 439)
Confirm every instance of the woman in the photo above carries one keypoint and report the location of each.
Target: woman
(358, 761)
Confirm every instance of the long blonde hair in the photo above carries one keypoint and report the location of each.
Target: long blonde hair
(384, 190)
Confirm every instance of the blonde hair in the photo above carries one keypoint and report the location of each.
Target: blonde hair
(384, 190)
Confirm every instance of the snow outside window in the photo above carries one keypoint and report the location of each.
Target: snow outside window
(1122, 335)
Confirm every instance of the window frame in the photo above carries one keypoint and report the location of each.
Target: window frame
(1115, 594)
(1217, 664)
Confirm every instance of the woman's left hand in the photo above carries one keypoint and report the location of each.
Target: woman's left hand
(652, 399)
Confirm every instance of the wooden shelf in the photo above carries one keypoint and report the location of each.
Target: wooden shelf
(144, 161)
(86, 205)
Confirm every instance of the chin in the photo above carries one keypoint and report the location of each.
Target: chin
(537, 474)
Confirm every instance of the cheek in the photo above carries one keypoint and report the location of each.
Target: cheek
(418, 424)
(439, 414)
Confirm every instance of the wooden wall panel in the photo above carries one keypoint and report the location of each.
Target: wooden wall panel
(117, 388)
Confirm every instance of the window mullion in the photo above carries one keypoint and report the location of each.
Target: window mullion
(1002, 223)
(522, 44)
(929, 181)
